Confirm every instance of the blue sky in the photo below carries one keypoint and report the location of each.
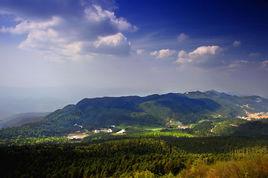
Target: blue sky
(68, 50)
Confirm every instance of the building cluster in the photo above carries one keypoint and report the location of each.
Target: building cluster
(255, 116)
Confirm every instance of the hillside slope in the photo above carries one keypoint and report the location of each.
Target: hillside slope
(152, 110)
(22, 119)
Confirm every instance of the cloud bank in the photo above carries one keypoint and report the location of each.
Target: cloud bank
(88, 30)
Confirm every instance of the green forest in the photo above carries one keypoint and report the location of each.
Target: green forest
(163, 156)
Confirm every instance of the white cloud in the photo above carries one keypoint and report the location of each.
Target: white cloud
(204, 50)
(50, 43)
(182, 56)
(198, 54)
(98, 15)
(40, 39)
(163, 53)
(108, 44)
(236, 43)
(111, 40)
(182, 37)
(26, 26)
(96, 31)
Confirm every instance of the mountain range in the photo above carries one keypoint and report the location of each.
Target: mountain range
(212, 110)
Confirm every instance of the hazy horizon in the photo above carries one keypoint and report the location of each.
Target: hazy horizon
(12, 104)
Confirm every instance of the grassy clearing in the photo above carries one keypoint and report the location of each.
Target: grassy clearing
(158, 133)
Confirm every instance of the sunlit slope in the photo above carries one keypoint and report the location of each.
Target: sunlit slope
(196, 110)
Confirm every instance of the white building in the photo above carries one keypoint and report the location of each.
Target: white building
(121, 131)
(105, 130)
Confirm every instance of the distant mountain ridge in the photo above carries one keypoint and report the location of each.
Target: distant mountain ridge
(233, 103)
(157, 110)
(22, 119)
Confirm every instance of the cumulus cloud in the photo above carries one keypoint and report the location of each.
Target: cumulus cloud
(89, 29)
(236, 43)
(41, 39)
(197, 55)
(111, 40)
(163, 53)
(182, 37)
(107, 44)
(98, 15)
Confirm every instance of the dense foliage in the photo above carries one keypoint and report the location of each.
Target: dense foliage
(151, 157)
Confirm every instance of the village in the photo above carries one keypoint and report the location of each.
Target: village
(255, 116)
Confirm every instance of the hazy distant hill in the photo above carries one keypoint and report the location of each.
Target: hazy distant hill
(153, 110)
(22, 119)
(232, 105)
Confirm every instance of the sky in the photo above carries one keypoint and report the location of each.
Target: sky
(56, 52)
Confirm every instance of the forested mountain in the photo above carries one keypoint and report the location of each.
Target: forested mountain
(211, 111)
(232, 105)
(196, 134)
